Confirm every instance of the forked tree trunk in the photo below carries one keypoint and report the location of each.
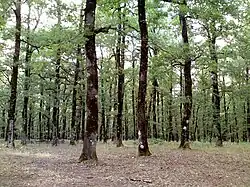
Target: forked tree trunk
(187, 84)
(14, 76)
(143, 149)
(90, 139)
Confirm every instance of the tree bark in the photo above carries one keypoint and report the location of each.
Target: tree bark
(120, 63)
(215, 87)
(133, 98)
(155, 90)
(90, 139)
(26, 81)
(143, 149)
(14, 75)
(40, 119)
(187, 84)
(170, 107)
(56, 102)
(248, 105)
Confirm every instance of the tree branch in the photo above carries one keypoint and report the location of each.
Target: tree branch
(104, 29)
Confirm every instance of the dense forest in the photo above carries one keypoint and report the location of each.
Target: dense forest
(115, 70)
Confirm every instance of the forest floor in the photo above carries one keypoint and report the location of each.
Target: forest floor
(205, 165)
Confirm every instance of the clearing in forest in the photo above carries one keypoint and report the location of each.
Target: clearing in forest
(204, 165)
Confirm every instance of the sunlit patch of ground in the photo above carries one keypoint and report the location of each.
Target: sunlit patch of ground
(204, 165)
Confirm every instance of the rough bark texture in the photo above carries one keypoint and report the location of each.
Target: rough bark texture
(90, 139)
(143, 149)
(14, 75)
(187, 84)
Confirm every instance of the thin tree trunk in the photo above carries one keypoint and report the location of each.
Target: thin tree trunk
(162, 117)
(120, 63)
(248, 105)
(48, 107)
(170, 106)
(126, 136)
(30, 122)
(40, 113)
(187, 84)
(55, 113)
(215, 86)
(149, 116)
(106, 133)
(155, 87)
(133, 99)
(102, 127)
(225, 110)
(90, 140)
(14, 75)
(143, 149)
(236, 129)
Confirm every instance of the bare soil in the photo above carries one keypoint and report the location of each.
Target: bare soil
(47, 166)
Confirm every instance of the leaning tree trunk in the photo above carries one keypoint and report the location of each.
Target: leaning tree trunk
(143, 149)
(14, 76)
(187, 84)
(90, 139)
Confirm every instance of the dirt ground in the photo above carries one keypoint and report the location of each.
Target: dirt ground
(204, 165)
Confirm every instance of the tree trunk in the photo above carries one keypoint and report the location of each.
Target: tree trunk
(248, 105)
(126, 136)
(143, 149)
(149, 116)
(55, 113)
(14, 75)
(187, 84)
(48, 107)
(102, 128)
(162, 117)
(133, 98)
(155, 90)
(106, 132)
(90, 139)
(40, 113)
(170, 104)
(215, 86)
(120, 64)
